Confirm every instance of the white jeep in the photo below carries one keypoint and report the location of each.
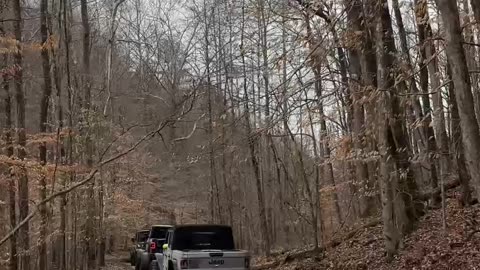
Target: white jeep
(202, 247)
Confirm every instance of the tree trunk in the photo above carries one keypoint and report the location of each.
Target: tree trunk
(227, 63)
(13, 260)
(252, 142)
(342, 58)
(424, 32)
(304, 177)
(407, 183)
(399, 190)
(109, 56)
(214, 203)
(463, 89)
(325, 149)
(282, 195)
(388, 170)
(367, 200)
(463, 175)
(317, 210)
(476, 12)
(268, 118)
(90, 238)
(439, 118)
(23, 194)
(468, 32)
(101, 241)
(323, 134)
(69, 156)
(415, 106)
(441, 138)
(217, 90)
(47, 90)
(368, 64)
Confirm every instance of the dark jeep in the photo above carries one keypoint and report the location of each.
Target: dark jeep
(138, 243)
(154, 244)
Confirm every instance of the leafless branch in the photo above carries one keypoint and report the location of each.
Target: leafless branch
(191, 133)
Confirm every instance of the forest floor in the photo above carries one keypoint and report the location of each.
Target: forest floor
(117, 261)
(428, 247)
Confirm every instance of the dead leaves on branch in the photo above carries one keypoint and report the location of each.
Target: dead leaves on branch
(50, 139)
(353, 39)
(10, 45)
(34, 166)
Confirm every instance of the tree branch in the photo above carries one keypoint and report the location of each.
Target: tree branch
(191, 133)
(87, 179)
(319, 12)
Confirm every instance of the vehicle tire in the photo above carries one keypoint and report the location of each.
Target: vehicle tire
(170, 265)
(154, 265)
(137, 265)
(145, 265)
(132, 259)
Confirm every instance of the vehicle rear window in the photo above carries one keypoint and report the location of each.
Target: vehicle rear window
(199, 238)
(158, 232)
(142, 236)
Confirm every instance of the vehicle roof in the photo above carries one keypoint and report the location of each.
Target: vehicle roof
(164, 226)
(139, 231)
(201, 225)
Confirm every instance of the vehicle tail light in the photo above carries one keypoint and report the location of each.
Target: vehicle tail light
(153, 246)
(183, 264)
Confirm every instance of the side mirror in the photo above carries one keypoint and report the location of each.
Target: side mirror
(132, 239)
(165, 246)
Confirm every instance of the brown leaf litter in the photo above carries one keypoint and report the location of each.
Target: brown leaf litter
(427, 248)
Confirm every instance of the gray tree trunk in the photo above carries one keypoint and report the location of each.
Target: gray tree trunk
(463, 89)
(463, 175)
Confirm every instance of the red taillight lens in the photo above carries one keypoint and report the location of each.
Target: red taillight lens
(153, 246)
(183, 264)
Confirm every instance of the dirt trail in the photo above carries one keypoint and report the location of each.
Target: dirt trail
(118, 261)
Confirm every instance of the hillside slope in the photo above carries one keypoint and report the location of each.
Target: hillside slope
(429, 247)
